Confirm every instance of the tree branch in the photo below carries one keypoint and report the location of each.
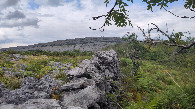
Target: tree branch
(179, 16)
(107, 16)
(162, 32)
(169, 44)
(147, 37)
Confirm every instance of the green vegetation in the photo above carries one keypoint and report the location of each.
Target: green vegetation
(36, 64)
(62, 76)
(118, 14)
(155, 76)
(11, 82)
(48, 53)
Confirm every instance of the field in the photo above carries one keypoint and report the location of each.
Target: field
(14, 65)
(153, 76)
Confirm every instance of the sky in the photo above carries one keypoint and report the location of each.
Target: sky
(26, 22)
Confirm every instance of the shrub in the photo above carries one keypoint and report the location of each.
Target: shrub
(11, 82)
(1, 71)
(62, 76)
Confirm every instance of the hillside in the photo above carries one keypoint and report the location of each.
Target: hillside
(155, 76)
(82, 44)
(150, 77)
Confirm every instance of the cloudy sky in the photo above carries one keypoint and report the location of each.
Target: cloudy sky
(24, 22)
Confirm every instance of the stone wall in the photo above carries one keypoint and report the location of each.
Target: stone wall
(87, 88)
(82, 44)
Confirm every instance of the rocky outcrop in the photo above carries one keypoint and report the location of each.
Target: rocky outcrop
(87, 88)
(82, 44)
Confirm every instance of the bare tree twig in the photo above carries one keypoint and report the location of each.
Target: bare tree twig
(163, 32)
(179, 16)
(191, 9)
(142, 30)
(169, 44)
(107, 16)
(95, 18)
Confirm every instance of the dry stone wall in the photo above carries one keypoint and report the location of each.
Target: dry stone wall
(87, 88)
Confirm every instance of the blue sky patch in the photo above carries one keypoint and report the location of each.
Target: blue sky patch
(78, 2)
(33, 5)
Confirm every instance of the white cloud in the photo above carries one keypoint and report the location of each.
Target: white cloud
(141, 17)
(62, 20)
(15, 15)
(18, 15)
(2, 35)
(8, 3)
(19, 23)
(12, 45)
(53, 3)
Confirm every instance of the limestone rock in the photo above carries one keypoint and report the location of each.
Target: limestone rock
(82, 44)
(97, 73)
(89, 83)
(32, 88)
(35, 104)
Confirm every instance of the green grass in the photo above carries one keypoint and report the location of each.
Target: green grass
(36, 64)
(62, 76)
(156, 86)
(11, 82)
(164, 79)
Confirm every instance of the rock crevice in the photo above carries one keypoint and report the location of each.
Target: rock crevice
(87, 88)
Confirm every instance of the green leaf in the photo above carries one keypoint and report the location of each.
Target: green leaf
(149, 7)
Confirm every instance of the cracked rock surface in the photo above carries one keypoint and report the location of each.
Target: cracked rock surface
(87, 88)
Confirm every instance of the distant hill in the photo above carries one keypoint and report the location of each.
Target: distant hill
(82, 44)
